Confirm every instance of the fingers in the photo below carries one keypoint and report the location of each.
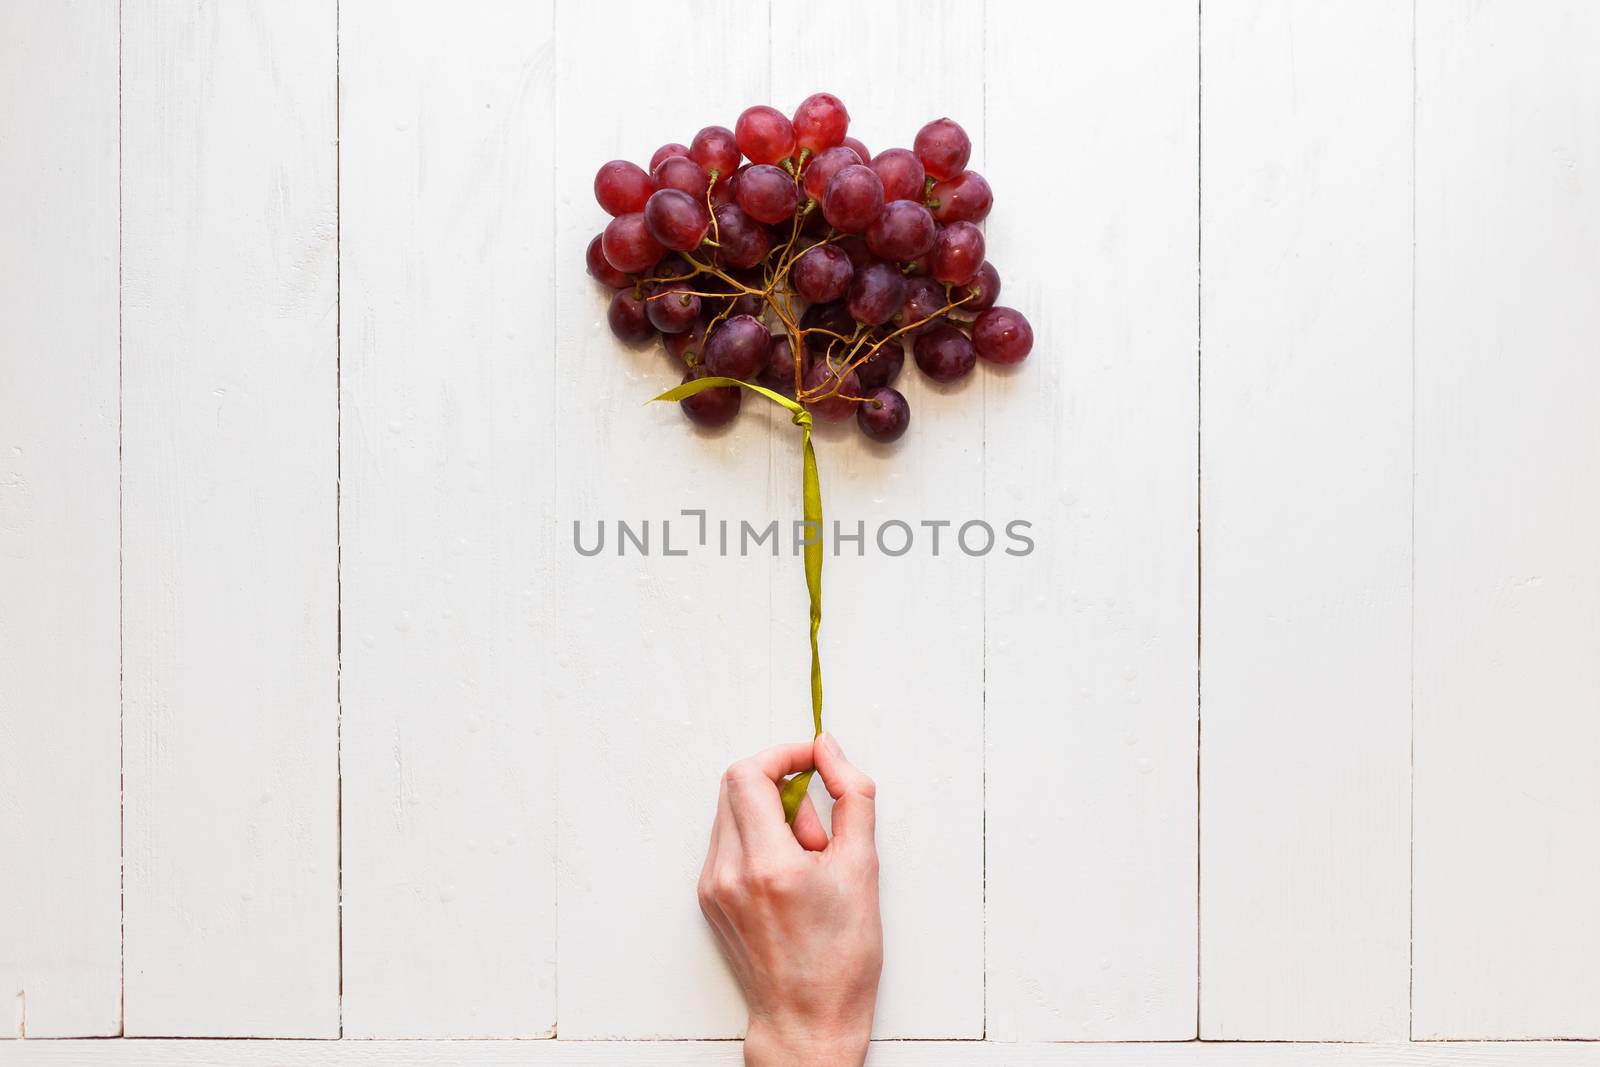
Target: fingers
(808, 827)
(752, 790)
(854, 795)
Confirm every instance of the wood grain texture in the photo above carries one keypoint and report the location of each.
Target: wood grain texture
(729, 1054)
(1507, 520)
(448, 738)
(662, 662)
(1306, 506)
(1091, 638)
(60, 856)
(230, 540)
(902, 636)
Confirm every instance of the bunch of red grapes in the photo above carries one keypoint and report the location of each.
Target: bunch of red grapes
(809, 268)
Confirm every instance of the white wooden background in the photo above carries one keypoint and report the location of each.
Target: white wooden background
(313, 725)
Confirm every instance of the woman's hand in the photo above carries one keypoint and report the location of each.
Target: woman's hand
(796, 913)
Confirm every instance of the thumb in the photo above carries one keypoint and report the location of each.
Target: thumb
(854, 794)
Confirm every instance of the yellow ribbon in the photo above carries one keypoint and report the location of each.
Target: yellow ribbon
(794, 790)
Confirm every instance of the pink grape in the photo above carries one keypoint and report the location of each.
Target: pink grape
(666, 151)
(820, 122)
(716, 150)
(901, 173)
(944, 148)
(622, 187)
(1002, 335)
(854, 198)
(764, 134)
(823, 166)
(857, 147)
(964, 198)
(681, 173)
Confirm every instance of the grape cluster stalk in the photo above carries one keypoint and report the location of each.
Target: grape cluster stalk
(784, 254)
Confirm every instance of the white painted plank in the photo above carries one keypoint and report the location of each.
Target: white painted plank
(1306, 511)
(1091, 639)
(730, 1054)
(902, 637)
(60, 908)
(446, 288)
(662, 661)
(229, 506)
(1507, 789)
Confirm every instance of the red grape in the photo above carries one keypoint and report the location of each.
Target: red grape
(820, 122)
(666, 151)
(944, 353)
(627, 244)
(984, 289)
(738, 348)
(676, 219)
(856, 249)
(688, 345)
(824, 378)
(904, 231)
(673, 310)
(964, 198)
(594, 258)
(924, 300)
(710, 407)
(628, 318)
(1002, 335)
(766, 193)
(764, 134)
(822, 273)
(901, 173)
(823, 166)
(859, 149)
(682, 173)
(745, 242)
(622, 187)
(957, 253)
(715, 149)
(943, 147)
(853, 199)
(884, 415)
(883, 366)
(876, 293)
(779, 373)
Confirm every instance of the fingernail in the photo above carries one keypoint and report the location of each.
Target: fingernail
(832, 745)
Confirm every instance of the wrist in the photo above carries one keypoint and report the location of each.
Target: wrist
(772, 1042)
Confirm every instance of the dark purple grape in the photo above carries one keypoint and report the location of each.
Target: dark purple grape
(832, 316)
(856, 249)
(876, 293)
(628, 318)
(683, 174)
(943, 147)
(711, 407)
(984, 290)
(853, 199)
(594, 258)
(820, 122)
(823, 166)
(821, 274)
(676, 219)
(779, 373)
(925, 298)
(744, 241)
(904, 231)
(858, 148)
(944, 353)
(1002, 335)
(901, 173)
(764, 134)
(883, 366)
(687, 346)
(672, 310)
(766, 193)
(738, 348)
(883, 415)
(666, 151)
(717, 152)
(824, 378)
(964, 198)
(622, 187)
(628, 245)
(957, 253)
